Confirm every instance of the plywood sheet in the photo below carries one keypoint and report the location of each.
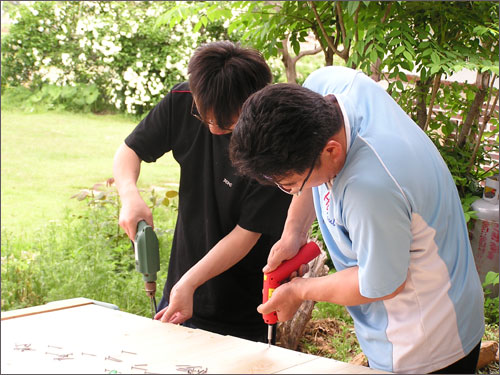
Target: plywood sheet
(96, 339)
(321, 365)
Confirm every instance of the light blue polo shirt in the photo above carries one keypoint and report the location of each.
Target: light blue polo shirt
(394, 211)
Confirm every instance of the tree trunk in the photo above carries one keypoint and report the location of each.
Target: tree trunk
(375, 70)
(422, 88)
(435, 87)
(482, 82)
(289, 333)
(291, 62)
(290, 71)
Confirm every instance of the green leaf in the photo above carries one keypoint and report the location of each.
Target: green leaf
(399, 50)
(352, 6)
(435, 58)
(394, 41)
(407, 55)
(491, 278)
(171, 194)
(435, 69)
(427, 52)
(197, 27)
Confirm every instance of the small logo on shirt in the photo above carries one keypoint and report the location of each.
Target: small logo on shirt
(326, 199)
(230, 184)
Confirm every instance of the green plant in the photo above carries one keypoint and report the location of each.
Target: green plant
(80, 256)
(490, 303)
(102, 196)
(97, 55)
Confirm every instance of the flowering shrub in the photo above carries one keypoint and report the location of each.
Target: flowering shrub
(112, 46)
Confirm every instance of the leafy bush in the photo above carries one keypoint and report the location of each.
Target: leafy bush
(106, 55)
(83, 255)
(490, 303)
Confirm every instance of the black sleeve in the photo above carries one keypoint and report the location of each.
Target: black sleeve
(264, 209)
(155, 134)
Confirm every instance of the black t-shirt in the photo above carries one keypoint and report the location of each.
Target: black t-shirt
(213, 199)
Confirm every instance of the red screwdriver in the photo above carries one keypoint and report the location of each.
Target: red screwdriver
(275, 278)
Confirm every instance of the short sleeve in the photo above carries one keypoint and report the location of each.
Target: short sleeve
(379, 224)
(264, 209)
(155, 134)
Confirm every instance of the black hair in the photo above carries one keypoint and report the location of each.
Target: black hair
(281, 130)
(222, 75)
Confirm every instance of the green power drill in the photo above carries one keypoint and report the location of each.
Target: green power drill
(147, 259)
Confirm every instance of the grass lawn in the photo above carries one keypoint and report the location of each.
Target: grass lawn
(48, 157)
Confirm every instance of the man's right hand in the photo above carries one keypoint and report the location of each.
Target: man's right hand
(286, 248)
(133, 210)
(126, 169)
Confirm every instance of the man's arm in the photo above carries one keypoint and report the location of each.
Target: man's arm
(126, 170)
(225, 254)
(341, 288)
(300, 216)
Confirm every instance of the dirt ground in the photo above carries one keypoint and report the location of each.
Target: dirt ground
(319, 339)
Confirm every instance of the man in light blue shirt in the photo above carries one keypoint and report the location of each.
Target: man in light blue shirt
(388, 210)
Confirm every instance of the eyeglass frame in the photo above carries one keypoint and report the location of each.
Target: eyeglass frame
(289, 191)
(198, 116)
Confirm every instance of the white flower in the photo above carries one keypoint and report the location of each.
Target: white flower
(52, 74)
(41, 29)
(139, 64)
(46, 61)
(33, 11)
(66, 59)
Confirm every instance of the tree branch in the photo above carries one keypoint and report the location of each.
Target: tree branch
(488, 112)
(322, 28)
(435, 87)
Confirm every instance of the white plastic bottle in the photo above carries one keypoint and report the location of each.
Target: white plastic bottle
(484, 236)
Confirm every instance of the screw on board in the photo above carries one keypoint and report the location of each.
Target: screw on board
(113, 359)
(124, 351)
(192, 369)
(93, 355)
(23, 347)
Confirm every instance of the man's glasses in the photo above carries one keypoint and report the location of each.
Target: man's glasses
(196, 114)
(289, 190)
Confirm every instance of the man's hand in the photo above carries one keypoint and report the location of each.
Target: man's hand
(286, 248)
(180, 307)
(285, 301)
(126, 170)
(133, 210)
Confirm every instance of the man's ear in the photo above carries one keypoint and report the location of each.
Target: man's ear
(332, 150)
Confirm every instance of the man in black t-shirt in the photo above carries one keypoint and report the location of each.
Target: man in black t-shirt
(226, 223)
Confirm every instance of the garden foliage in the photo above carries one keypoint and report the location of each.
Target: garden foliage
(97, 55)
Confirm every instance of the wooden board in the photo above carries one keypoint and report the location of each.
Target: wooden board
(96, 339)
